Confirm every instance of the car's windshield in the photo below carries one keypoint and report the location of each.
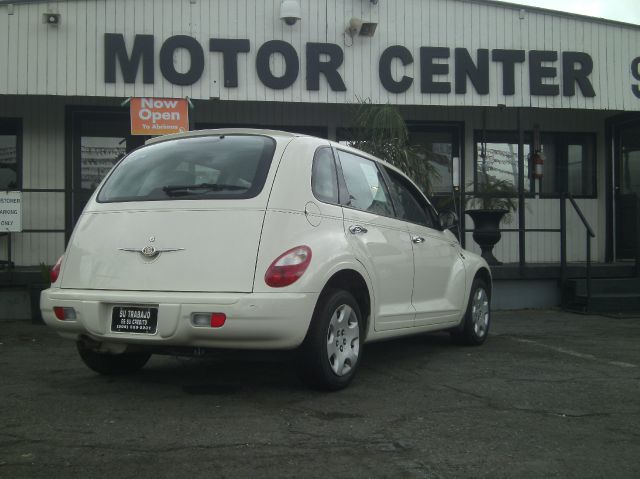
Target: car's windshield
(210, 167)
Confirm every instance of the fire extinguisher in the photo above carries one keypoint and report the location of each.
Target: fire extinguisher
(538, 164)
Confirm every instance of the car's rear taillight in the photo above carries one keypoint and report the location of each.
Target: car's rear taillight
(213, 320)
(288, 267)
(64, 314)
(55, 271)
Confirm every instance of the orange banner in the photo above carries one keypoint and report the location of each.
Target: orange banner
(159, 116)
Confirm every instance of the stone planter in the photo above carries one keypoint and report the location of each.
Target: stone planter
(486, 231)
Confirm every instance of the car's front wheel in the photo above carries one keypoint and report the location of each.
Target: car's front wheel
(475, 325)
(332, 350)
(112, 364)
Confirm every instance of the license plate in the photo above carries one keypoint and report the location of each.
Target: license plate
(134, 319)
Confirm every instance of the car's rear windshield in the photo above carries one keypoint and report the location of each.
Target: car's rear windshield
(209, 167)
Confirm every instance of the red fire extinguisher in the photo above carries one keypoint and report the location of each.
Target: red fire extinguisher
(538, 164)
(537, 157)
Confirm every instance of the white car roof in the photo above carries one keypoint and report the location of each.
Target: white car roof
(222, 131)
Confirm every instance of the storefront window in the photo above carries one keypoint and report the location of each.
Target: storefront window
(497, 161)
(569, 164)
(97, 157)
(630, 156)
(10, 154)
(437, 149)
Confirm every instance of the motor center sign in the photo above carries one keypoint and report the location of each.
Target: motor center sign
(11, 211)
(441, 70)
(159, 116)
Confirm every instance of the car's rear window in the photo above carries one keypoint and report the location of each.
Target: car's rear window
(211, 167)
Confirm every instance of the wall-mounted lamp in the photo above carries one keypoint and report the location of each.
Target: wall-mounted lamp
(357, 26)
(375, 2)
(290, 12)
(51, 19)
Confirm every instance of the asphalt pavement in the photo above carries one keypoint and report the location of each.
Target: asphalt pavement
(550, 394)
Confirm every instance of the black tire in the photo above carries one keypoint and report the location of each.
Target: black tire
(471, 332)
(315, 365)
(112, 364)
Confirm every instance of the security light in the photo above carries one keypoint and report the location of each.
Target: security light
(51, 18)
(357, 26)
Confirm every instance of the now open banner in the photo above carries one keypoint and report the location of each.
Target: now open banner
(159, 116)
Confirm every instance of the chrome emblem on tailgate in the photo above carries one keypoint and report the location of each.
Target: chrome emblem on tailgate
(151, 251)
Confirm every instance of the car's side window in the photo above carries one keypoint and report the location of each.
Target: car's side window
(324, 179)
(367, 190)
(410, 205)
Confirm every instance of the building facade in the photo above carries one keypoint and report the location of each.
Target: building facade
(483, 85)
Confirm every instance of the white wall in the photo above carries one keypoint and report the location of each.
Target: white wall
(68, 60)
(43, 167)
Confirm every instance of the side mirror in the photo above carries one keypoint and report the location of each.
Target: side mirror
(448, 220)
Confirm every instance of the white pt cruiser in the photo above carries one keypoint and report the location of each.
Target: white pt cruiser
(254, 239)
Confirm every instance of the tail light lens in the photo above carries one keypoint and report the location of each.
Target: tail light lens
(288, 267)
(55, 271)
(213, 320)
(64, 314)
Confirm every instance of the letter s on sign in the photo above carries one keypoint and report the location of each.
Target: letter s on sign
(635, 72)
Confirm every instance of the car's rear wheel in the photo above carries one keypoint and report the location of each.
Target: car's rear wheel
(112, 364)
(475, 326)
(332, 350)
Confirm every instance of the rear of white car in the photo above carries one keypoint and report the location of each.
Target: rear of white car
(165, 253)
(258, 240)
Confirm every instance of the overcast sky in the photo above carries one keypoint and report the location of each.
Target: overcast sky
(622, 10)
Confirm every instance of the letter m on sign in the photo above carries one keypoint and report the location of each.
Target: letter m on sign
(115, 49)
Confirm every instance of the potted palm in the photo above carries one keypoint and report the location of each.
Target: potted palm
(381, 131)
(494, 201)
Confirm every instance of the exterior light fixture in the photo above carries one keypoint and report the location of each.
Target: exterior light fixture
(51, 19)
(357, 26)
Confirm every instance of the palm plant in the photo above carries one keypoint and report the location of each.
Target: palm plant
(494, 194)
(381, 131)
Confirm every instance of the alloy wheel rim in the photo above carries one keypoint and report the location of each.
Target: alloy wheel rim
(343, 340)
(480, 312)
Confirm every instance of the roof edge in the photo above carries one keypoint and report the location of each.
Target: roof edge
(548, 11)
(496, 3)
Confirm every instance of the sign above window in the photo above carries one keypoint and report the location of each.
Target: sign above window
(159, 116)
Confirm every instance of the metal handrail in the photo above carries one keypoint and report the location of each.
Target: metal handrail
(9, 261)
(582, 218)
(563, 241)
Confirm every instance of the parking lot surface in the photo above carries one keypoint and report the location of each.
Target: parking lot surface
(550, 394)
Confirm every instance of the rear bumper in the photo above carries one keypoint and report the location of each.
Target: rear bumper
(254, 320)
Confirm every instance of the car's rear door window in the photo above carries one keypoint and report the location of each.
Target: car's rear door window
(367, 191)
(209, 167)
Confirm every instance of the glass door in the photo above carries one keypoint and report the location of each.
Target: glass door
(440, 144)
(99, 140)
(627, 189)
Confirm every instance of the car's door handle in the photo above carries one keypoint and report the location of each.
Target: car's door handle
(417, 239)
(357, 229)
